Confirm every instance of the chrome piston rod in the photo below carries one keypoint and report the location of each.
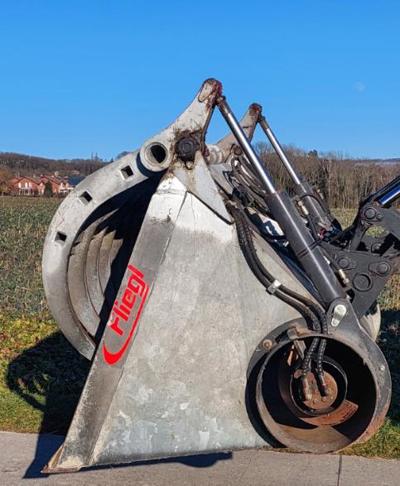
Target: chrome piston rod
(279, 150)
(303, 188)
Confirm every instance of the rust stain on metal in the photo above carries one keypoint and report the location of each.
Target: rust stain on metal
(317, 401)
(210, 91)
(345, 411)
(255, 109)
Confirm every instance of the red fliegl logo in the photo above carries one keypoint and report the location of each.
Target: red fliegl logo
(126, 312)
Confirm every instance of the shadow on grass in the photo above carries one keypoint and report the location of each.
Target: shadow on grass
(389, 342)
(50, 377)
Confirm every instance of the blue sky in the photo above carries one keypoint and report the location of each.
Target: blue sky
(78, 77)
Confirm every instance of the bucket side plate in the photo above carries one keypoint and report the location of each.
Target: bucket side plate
(181, 387)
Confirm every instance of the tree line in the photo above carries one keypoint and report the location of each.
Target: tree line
(28, 165)
(343, 181)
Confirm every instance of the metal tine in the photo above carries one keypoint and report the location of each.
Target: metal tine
(104, 263)
(77, 282)
(85, 290)
(94, 289)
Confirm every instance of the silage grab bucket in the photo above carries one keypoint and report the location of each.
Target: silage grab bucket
(158, 268)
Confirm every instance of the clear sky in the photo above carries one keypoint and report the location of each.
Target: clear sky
(86, 76)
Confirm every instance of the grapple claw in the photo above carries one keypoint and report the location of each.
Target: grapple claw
(207, 300)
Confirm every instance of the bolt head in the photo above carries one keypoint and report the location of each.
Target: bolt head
(370, 213)
(267, 344)
(186, 148)
(383, 268)
(343, 262)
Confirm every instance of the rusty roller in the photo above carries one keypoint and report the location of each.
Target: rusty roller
(219, 312)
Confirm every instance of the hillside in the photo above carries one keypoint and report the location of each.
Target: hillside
(21, 164)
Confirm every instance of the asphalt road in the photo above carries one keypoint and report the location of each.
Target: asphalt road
(21, 460)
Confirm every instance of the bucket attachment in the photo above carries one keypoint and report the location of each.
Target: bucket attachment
(219, 313)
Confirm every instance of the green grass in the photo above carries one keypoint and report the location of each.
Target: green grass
(41, 375)
(386, 443)
(23, 226)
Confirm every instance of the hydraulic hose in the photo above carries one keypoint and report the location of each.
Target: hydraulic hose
(308, 309)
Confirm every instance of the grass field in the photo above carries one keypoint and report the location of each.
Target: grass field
(41, 375)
